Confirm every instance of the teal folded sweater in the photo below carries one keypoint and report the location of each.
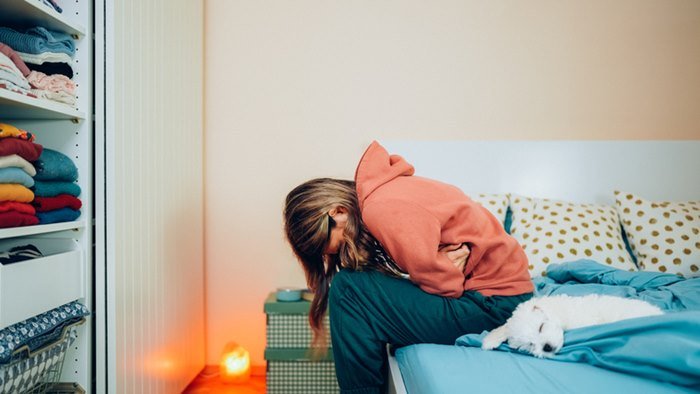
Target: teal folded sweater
(55, 166)
(58, 216)
(53, 189)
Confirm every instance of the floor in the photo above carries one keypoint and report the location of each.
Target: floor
(208, 382)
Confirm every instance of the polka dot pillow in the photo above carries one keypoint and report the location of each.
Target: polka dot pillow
(556, 231)
(664, 236)
(497, 204)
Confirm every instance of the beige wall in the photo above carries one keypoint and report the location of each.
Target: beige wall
(296, 89)
(156, 195)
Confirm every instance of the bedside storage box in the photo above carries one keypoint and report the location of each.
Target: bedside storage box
(290, 369)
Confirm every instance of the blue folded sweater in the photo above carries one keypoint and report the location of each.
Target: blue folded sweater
(55, 166)
(37, 40)
(15, 175)
(53, 189)
(58, 215)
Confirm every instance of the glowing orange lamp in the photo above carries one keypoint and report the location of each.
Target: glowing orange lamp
(234, 366)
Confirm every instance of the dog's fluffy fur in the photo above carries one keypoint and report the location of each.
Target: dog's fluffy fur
(537, 326)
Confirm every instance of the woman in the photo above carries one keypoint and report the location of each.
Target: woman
(368, 236)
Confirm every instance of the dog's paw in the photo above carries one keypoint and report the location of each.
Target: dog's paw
(493, 339)
(490, 343)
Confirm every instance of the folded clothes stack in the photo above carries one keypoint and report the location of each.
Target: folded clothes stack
(13, 71)
(45, 60)
(17, 151)
(56, 193)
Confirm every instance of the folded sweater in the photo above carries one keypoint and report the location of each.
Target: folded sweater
(43, 204)
(16, 219)
(53, 68)
(30, 151)
(19, 162)
(52, 83)
(10, 72)
(61, 97)
(15, 57)
(44, 57)
(58, 216)
(15, 192)
(55, 166)
(21, 207)
(20, 253)
(53, 189)
(37, 40)
(8, 130)
(15, 175)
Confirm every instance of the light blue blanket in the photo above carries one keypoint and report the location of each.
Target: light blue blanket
(667, 291)
(664, 348)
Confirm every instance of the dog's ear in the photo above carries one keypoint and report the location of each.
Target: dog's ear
(496, 337)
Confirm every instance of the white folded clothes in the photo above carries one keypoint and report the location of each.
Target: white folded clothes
(46, 57)
(61, 97)
(10, 72)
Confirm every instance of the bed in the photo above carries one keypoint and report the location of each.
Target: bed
(580, 172)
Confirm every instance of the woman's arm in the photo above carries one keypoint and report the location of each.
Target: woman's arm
(411, 235)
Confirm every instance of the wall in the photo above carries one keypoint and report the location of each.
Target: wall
(155, 198)
(296, 90)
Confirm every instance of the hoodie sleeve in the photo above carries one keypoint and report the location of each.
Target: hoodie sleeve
(411, 235)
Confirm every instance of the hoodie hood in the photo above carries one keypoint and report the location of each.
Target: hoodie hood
(376, 168)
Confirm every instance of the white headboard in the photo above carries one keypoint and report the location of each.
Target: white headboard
(579, 171)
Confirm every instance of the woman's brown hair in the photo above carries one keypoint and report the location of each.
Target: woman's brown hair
(307, 225)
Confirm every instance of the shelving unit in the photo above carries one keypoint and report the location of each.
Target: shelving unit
(70, 131)
(36, 13)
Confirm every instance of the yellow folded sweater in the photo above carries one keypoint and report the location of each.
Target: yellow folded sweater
(8, 130)
(15, 192)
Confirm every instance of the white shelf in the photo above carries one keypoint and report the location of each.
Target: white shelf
(32, 13)
(40, 229)
(18, 106)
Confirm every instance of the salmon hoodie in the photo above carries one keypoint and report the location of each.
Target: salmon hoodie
(413, 216)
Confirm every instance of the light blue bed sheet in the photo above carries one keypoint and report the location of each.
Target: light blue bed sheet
(437, 369)
(443, 369)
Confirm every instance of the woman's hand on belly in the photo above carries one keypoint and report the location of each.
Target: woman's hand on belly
(457, 253)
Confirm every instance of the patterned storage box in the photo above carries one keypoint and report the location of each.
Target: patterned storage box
(290, 369)
(301, 377)
(289, 330)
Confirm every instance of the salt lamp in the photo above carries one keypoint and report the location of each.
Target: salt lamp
(234, 366)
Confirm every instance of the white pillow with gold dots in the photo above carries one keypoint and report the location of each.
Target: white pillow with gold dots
(664, 236)
(497, 204)
(553, 231)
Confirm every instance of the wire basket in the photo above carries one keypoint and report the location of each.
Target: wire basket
(33, 372)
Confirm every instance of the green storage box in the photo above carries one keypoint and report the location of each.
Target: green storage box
(290, 369)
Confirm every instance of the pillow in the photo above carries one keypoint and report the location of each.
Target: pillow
(664, 236)
(497, 204)
(553, 231)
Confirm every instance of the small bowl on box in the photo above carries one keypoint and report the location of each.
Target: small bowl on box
(307, 295)
(288, 294)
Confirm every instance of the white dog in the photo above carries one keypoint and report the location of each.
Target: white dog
(537, 326)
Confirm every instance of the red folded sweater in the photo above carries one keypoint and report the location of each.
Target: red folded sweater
(44, 204)
(27, 150)
(20, 207)
(16, 219)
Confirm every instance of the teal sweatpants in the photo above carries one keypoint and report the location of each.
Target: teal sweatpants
(370, 309)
